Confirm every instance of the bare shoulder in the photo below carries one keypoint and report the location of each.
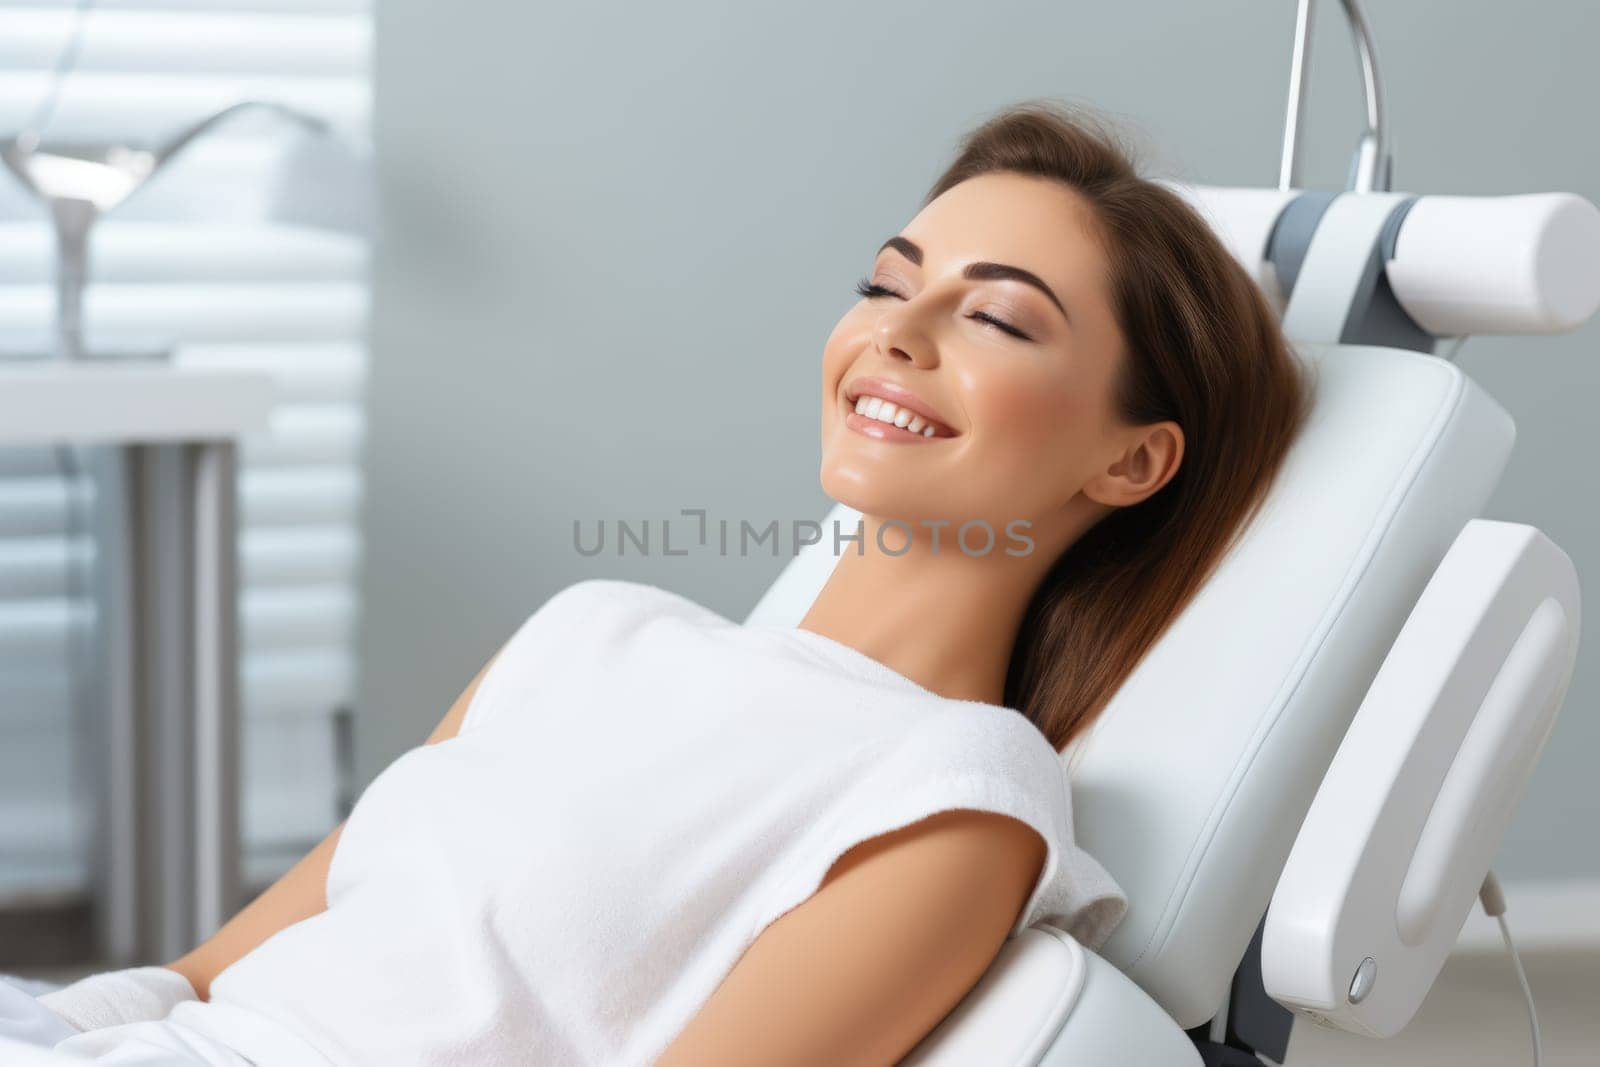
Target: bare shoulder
(901, 928)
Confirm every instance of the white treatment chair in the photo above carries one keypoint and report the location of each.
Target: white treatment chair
(1341, 722)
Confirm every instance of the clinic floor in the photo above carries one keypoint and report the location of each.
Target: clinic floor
(1473, 1018)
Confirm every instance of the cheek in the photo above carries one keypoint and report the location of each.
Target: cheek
(1035, 432)
(1033, 415)
(836, 353)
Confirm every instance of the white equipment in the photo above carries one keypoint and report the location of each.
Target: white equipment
(1303, 783)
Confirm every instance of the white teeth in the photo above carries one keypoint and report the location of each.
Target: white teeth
(874, 407)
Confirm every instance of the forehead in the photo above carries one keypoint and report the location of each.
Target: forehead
(1019, 219)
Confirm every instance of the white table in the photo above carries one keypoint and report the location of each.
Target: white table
(166, 747)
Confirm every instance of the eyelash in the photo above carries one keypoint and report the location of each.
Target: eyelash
(870, 289)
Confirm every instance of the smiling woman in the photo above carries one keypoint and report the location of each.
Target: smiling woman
(1052, 340)
(1108, 374)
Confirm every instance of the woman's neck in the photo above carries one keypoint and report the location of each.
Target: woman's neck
(942, 617)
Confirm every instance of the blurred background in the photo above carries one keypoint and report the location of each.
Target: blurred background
(553, 263)
(223, 259)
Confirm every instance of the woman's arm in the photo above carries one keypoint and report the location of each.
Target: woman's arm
(299, 894)
(901, 929)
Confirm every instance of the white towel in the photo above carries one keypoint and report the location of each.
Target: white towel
(114, 997)
(32, 1035)
(639, 788)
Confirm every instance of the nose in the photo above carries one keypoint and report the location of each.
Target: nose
(898, 335)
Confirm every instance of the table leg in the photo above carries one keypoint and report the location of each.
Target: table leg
(117, 732)
(170, 812)
(215, 687)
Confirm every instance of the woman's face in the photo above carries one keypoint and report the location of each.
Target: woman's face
(994, 318)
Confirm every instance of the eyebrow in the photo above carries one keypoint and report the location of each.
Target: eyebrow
(982, 271)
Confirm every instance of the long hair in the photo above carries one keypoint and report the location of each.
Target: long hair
(1202, 348)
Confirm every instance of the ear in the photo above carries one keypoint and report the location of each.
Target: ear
(1148, 461)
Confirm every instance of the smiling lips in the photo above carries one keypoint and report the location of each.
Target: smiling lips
(890, 412)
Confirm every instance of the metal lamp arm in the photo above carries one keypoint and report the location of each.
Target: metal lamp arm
(181, 139)
(1373, 164)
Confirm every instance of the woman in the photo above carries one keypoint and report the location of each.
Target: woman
(1058, 400)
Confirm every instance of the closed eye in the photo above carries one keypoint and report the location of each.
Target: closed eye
(870, 289)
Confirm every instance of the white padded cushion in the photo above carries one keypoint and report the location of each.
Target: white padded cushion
(1191, 786)
(1046, 1001)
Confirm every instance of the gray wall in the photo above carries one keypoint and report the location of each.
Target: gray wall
(616, 237)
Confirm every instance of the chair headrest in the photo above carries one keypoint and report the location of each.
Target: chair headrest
(1191, 785)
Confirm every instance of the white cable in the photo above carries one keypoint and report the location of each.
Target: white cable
(1527, 993)
(1494, 906)
(1451, 352)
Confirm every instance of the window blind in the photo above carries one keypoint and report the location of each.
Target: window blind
(194, 265)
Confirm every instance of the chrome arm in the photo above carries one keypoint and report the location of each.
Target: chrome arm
(1289, 163)
(1373, 163)
(1372, 156)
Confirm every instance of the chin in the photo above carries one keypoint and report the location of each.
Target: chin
(877, 497)
(886, 481)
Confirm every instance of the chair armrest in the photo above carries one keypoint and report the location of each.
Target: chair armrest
(1394, 848)
(1046, 1001)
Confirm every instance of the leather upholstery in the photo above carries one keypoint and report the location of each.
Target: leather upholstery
(1047, 1001)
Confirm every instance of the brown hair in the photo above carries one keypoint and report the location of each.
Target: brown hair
(1202, 348)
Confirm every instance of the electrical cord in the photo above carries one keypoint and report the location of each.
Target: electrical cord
(1494, 906)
